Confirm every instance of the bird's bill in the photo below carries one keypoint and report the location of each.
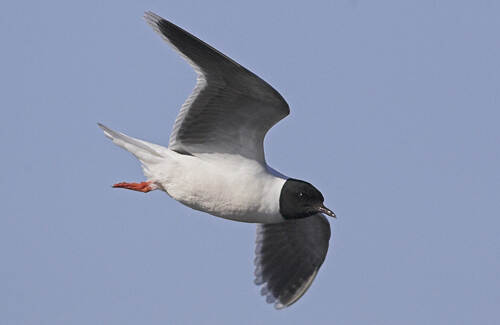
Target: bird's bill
(325, 210)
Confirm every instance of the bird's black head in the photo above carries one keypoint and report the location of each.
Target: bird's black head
(299, 199)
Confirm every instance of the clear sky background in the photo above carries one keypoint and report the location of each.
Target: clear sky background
(395, 118)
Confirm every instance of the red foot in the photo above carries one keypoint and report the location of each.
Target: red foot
(140, 187)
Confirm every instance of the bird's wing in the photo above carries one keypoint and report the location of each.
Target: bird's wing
(230, 110)
(288, 257)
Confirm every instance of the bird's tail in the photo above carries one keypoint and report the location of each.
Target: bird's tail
(147, 153)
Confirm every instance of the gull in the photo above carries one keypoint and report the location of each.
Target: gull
(215, 163)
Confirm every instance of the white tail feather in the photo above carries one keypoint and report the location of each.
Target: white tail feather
(144, 151)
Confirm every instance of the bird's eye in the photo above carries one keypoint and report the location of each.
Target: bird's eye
(301, 194)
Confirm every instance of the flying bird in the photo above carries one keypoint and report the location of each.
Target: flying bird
(215, 163)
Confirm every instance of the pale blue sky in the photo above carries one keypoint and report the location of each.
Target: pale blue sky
(395, 117)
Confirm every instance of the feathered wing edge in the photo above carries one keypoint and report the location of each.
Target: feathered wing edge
(228, 100)
(288, 257)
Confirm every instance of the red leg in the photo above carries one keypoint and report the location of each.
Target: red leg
(140, 187)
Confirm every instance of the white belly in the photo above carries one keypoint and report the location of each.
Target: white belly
(234, 188)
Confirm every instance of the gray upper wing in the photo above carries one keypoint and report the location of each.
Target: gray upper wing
(230, 110)
(288, 257)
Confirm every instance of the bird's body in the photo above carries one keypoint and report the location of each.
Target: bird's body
(249, 193)
(215, 163)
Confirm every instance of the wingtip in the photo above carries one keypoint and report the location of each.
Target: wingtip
(149, 13)
(102, 126)
(151, 18)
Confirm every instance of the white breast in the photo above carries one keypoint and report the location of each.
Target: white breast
(226, 186)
